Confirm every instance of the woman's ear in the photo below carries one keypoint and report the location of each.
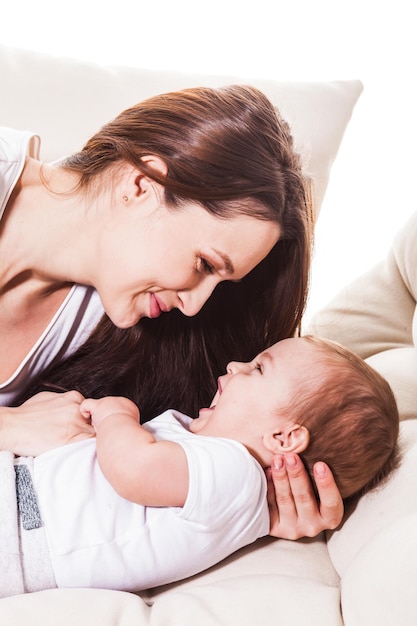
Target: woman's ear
(155, 163)
(294, 438)
(137, 182)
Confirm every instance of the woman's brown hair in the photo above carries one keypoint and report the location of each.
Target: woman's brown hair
(229, 150)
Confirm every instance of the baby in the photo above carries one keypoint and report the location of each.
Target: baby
(145, 505)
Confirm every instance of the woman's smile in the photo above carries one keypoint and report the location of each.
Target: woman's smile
(157, 306)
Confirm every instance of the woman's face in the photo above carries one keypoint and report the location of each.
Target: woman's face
(152, 261)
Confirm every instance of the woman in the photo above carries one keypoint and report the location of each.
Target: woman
(176, 195)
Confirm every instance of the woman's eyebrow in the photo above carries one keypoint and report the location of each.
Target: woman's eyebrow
(226, 260)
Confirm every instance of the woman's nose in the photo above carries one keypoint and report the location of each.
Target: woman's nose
(193, 299)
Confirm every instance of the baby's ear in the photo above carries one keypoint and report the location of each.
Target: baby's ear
(294, 438)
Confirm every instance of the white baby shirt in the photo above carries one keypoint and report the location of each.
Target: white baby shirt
(98, 539)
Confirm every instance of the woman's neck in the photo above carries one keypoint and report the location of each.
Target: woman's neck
(39, 221)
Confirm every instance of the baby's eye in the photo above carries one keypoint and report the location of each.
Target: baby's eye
(204, 266)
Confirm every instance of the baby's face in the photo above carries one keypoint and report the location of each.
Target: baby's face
(253, 393)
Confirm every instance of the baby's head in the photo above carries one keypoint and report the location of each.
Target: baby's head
(315, 398)
(352, 417)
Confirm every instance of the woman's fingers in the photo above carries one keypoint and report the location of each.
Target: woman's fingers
(330, 500)
(294, 509)
(43, 422)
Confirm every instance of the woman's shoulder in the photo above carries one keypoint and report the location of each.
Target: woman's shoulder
(15, 144)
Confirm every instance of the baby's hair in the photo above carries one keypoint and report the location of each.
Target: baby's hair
(351, 413)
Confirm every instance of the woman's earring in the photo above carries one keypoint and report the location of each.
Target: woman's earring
(125, 198)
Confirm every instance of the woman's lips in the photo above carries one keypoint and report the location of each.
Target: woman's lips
(156, 306)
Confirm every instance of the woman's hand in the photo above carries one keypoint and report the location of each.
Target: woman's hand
(43, 422)
(293, 508)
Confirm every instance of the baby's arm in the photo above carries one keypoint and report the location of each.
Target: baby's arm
(140, 469)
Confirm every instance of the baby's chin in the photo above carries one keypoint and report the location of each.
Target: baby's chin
(198, 423)
(205, 412)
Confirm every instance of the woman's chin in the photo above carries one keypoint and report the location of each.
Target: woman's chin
(125, 322)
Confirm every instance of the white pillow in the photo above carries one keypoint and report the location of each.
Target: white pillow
(65, 101)
(379, 510)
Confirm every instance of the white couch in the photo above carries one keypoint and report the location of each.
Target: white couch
(362, 574)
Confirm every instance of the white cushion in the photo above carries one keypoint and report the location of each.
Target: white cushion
(276, 601)
(380, 586)
(380, 508)
(66, 101)
(376, 317)
(375, 551)
(280, 583)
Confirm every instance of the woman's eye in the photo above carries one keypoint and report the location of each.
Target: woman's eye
(205, 266)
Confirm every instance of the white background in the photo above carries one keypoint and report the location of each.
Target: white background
(373, 181)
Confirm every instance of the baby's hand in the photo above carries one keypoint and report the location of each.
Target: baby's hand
(109, 406)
